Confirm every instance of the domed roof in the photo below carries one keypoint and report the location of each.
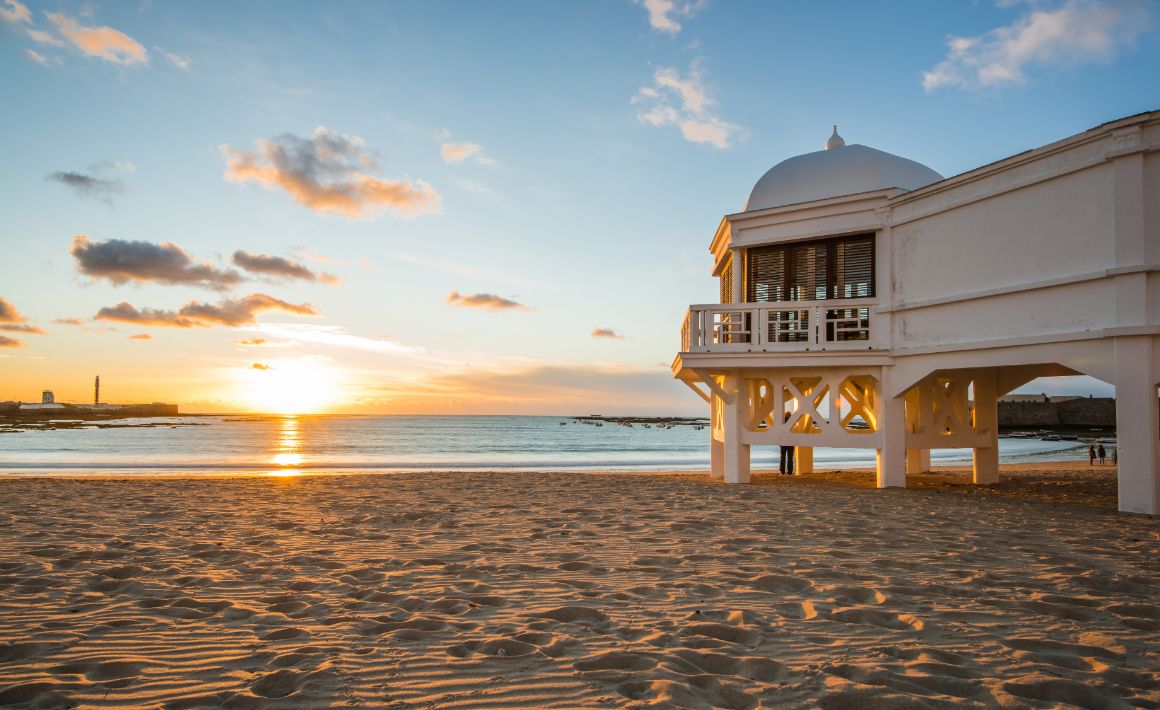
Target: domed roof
(838, 170)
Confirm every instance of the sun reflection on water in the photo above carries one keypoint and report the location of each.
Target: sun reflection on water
(288, 455)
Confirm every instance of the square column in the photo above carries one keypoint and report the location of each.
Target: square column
(736, 416)
(891, 458)
(1137, 424)
(716, 447)
(985, 461)
(917, 461)
(803, 459)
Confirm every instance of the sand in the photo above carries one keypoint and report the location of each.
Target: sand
(566, 590)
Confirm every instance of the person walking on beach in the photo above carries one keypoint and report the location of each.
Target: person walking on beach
(1092, 455)
(1101, 451)
(786, 466)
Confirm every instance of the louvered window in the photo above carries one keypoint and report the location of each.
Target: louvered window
(809, 271)
(727, 282)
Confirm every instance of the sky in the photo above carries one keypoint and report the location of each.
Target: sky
(464, 208)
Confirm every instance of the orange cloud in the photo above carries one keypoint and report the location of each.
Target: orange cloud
(606, 333)
(230, 313)
(327, 172)
(6, 342)
(260, 366)
(141, 336)
(487, 301)
(103, 42)
(14, 11)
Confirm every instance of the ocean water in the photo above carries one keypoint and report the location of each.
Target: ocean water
(324, 444)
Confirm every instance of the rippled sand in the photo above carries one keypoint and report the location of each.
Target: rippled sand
(566, 590)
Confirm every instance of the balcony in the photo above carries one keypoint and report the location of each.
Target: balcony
(783, 326)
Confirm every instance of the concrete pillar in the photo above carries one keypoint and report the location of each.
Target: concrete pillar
(917, 461)
(716, 447)
(1137, 423)
(736, 415)
(985, 461)
(803, 459)
(891, 458)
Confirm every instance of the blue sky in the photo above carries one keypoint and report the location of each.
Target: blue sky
(571, 158)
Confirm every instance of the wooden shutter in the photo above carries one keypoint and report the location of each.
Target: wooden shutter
(808, 272)
(853, 267)
(727, 282)
(766, 275)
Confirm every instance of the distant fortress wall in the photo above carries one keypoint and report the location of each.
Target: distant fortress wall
(1068, 413)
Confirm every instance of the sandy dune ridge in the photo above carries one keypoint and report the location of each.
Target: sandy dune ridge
(534, 590)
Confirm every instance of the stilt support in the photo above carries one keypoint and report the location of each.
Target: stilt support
(736, 417)
(891, 458)
(985, 460)
(803, 457)
(917, 461)
(1137, 424)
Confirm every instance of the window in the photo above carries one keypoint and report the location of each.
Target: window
(727, 282)
(842, 267)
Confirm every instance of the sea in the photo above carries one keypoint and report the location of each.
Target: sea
(318, 444)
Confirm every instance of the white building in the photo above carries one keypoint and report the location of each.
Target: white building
(867, 302)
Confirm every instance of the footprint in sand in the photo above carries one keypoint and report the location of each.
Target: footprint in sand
(582, 615)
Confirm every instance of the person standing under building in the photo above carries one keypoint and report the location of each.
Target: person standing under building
(786, 466)
(1092, 455)
(1101, 452)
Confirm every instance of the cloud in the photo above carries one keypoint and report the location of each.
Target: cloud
(606, 333)
(683, 102)
(141, 336)
(11, 320)
(9, 314)
(279, 267)
(662, 14)
(182, 63)
(69, 321)
(90, 186)
(37, 57)
(336, 336)
(21, 328)
(123, 261)
(252, 342)
(260, 366)
(13, 12)
(487, 301)
(45, 38)
(328, 172)
(458, 152)
(1075, 33)
(230, 313)
(103, 42)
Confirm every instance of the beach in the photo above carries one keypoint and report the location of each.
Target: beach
(535, 590)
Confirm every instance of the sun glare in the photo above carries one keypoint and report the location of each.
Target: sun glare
(290, 387)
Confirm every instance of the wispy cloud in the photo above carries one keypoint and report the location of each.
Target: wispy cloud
(14, 12)
(88, 185)
(39, 58)
(679, 101)
(606, 333)
(230, 313)
(486, 301)
(279, 267)
(104, 43)
(260, 366)
(123, 262)
(334, 336)
(458, 152)
(69, 321)
(182, 63)
(1075, 33)
(663, 14)
(329, 172)
(141, 336)
(12, 321)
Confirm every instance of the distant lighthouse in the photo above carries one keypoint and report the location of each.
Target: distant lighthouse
(97, 391)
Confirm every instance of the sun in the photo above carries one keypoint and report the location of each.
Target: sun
(289, 387)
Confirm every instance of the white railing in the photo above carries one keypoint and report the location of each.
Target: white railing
(839, 324)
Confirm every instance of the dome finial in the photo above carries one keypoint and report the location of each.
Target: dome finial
(836, 141)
